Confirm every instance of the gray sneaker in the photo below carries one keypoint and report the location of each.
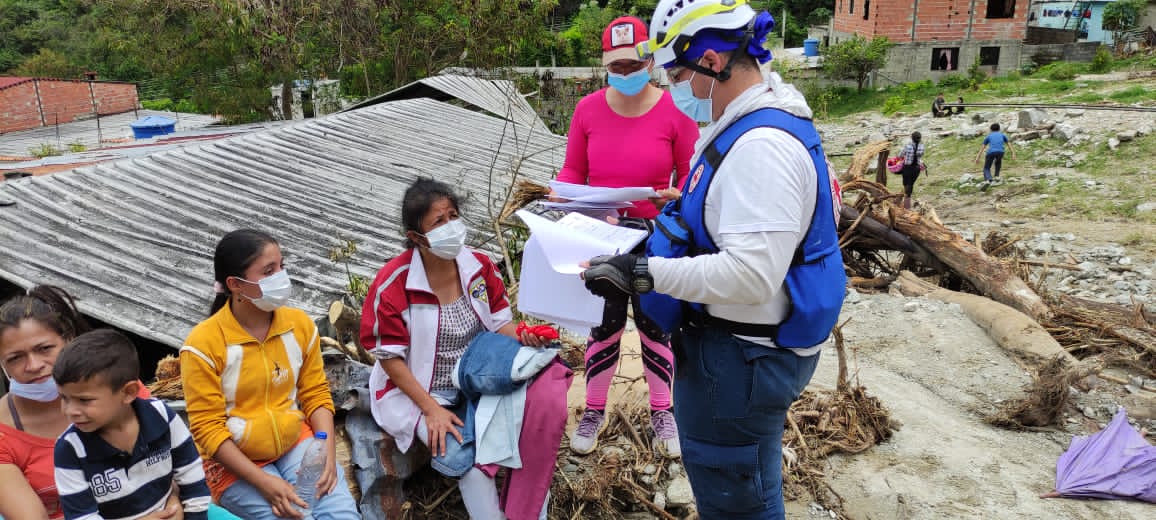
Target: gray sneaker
(666, 432)
(585, 436)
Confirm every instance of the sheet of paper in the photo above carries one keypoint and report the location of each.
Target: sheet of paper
(617, 239)
(584, 193)
(580, 205)
(552, 296)
(577, 238)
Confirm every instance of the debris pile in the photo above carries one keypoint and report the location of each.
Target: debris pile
(844, 420)
(168, 384)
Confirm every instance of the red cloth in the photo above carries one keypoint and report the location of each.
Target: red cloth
(543, 424)
(544, 331)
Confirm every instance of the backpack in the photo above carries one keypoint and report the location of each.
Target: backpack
(815, 282)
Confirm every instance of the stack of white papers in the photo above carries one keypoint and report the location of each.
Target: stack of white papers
(550, 287)
(593, 199)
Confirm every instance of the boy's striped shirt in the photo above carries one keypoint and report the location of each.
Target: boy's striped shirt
(98, 481)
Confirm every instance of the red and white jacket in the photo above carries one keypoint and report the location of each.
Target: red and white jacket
(401, 315)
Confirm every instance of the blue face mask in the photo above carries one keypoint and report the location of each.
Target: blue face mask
(44, 391)
(700, 110)
(629, 84)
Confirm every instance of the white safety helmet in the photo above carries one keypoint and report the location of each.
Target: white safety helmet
(675, 22)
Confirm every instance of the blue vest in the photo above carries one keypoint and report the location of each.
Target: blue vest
(815, 282)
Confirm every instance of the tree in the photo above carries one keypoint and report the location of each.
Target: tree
(1122, 16)
(48, 64)
(855, 58)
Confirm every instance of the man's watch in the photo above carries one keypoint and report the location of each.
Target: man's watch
(642, 281)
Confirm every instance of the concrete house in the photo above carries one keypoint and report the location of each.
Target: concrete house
(937, 37)
(1084, 18)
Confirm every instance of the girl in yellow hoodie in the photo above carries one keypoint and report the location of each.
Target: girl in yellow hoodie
(251, 402)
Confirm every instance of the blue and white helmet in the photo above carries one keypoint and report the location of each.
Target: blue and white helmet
(675, 22)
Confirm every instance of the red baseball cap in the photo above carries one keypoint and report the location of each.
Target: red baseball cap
(620, 37)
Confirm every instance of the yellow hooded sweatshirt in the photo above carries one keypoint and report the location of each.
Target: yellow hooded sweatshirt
(257, 393)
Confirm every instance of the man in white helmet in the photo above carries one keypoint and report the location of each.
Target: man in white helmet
(745, 269)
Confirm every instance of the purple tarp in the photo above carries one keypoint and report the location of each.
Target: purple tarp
(1113, 463)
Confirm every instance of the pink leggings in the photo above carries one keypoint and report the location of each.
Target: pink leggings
(602, 355)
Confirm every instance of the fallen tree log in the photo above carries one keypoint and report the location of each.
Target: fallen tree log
(987, 274)
(1013, 330)
(871, 227)
(879, 282)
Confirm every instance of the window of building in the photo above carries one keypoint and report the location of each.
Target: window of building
(852, 9)
(989, 56)
(945, 58)
(1001, 8)
(866, 8)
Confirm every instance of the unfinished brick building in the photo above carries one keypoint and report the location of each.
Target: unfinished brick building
(937, 37)
(33, 102)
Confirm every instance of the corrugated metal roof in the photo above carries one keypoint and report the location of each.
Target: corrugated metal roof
(133, 239)
(113, 128)
(498, 97)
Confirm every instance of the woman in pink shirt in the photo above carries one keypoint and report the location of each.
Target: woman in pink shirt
(629, 134)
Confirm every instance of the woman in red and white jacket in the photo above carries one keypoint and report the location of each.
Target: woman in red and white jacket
(420, 314)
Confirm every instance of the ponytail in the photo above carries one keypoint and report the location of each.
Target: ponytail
(234, 254)
(50, 306)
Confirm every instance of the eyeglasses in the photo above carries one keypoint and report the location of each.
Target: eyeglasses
(673, 73)
(626, 66)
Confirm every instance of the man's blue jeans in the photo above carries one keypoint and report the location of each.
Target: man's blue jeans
(243, 500)
(730, 402)
(992, 159)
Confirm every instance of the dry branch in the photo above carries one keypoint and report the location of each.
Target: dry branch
(843, 420)
(987, 274)
(863, 159)
(1046, 396)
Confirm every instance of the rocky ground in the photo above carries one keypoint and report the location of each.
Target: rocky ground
(940, 374)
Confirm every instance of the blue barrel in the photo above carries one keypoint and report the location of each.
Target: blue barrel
(152, 126)
(810, 47)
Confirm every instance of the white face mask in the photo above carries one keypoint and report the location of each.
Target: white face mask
(275, 291)
(446, 241)
(44, 392)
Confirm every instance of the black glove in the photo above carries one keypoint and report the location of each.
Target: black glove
(610, 276)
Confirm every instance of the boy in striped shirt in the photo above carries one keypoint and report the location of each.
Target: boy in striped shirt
(121, 455)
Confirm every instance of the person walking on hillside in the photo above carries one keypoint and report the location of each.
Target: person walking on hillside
(994, 144)
(756, 221)
(912, 166)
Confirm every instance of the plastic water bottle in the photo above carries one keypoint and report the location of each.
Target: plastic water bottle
(310, 470)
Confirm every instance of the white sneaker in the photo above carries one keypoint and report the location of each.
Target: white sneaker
(585, 436)
(666, 431)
